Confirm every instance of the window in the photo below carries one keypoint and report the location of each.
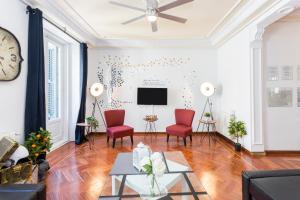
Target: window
(53, 81)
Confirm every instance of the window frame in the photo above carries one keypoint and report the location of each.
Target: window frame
(60, 60)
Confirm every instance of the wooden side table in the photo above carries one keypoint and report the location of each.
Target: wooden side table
(150, 124)
(88, 131)
(210, 125)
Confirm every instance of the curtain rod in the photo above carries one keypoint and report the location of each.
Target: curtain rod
(53, 23)
(63, 30)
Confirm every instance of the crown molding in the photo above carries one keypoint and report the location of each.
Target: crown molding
(240, 17)
(155, 43)
(243, 14)
(53, 11)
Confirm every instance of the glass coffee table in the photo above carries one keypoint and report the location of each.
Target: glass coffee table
(126, 182)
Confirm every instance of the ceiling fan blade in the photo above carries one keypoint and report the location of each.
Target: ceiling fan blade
(127, 6)
(172, 17)
(173, 5)
(154, 26)
(133, 19)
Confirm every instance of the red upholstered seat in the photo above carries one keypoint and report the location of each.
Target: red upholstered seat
(183, 127)
(179, 130)
(115, 125)
(120, 131)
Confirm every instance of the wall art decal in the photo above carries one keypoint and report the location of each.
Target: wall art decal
(187, 98)
(116, 77)
(153, 82)
(123, 70)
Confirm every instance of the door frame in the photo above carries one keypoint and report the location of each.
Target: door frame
(63, 82)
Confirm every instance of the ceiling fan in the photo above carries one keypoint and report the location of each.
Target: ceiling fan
(152, 12)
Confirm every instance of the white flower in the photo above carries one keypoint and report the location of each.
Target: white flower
(145, 161)
(158, 167)
(156, 156)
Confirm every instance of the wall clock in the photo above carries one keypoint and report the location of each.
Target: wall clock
(10, 56)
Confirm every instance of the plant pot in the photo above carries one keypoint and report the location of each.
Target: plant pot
(42, 156)
(237, 146)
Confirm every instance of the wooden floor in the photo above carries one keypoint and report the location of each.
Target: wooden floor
(79, 173)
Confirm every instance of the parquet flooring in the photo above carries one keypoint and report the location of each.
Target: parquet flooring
(79, 173)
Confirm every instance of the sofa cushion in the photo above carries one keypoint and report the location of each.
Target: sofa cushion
(179, 130)
(23, 191)
(120, 131)
(273, 188)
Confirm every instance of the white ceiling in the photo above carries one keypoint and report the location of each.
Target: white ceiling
(104, 19)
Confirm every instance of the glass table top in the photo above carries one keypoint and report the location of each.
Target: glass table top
(179, 180)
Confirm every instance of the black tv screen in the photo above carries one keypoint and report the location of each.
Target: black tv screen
(152, 96)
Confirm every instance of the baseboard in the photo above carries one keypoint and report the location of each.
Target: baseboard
(231, 143)
(282, 152)
(101, 133)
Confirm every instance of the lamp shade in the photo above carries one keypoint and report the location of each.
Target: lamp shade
(96, 89)
(207, 89)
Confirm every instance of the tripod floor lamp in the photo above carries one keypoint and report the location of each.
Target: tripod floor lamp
(96, 90)
(207, 89)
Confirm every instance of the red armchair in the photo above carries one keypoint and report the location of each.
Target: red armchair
(183, 127)
(115, 126)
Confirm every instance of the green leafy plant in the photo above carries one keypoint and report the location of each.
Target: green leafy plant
(207, 114)
(237, 129)
(38, 143)
(93, 122)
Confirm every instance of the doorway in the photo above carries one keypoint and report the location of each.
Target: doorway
(56, 65)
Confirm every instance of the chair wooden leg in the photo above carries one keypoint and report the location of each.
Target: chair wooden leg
(114, 142)
(107, 139)
(191, 139)
(168, 137)
(131, 138)
(184, 140)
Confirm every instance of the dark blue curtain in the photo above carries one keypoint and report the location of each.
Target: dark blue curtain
(79, 132)
(35, 108)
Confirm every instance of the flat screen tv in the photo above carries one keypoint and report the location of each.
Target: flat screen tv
(152, 96)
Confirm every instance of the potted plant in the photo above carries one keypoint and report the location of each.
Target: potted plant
(207, 115)
(93, 122)
(38, 144)
(237, 129)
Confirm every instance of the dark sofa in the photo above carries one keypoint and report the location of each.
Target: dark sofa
(23, 192)
(271, 185)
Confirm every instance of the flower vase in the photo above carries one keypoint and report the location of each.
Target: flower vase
(156, 190)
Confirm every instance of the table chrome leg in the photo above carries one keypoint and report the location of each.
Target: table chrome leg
(208, 134)
(202, 136)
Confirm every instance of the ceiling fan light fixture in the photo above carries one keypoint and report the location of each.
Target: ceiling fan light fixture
(151, 15)
(151, 18)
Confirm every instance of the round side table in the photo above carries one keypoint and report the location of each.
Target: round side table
(88, 131)
(150, 124)
(210, 128)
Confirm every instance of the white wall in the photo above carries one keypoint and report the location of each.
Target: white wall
(12, 93)
(181, 70)
(234, 76)
(281, 48)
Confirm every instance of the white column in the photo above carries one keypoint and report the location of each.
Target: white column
(256, 73)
